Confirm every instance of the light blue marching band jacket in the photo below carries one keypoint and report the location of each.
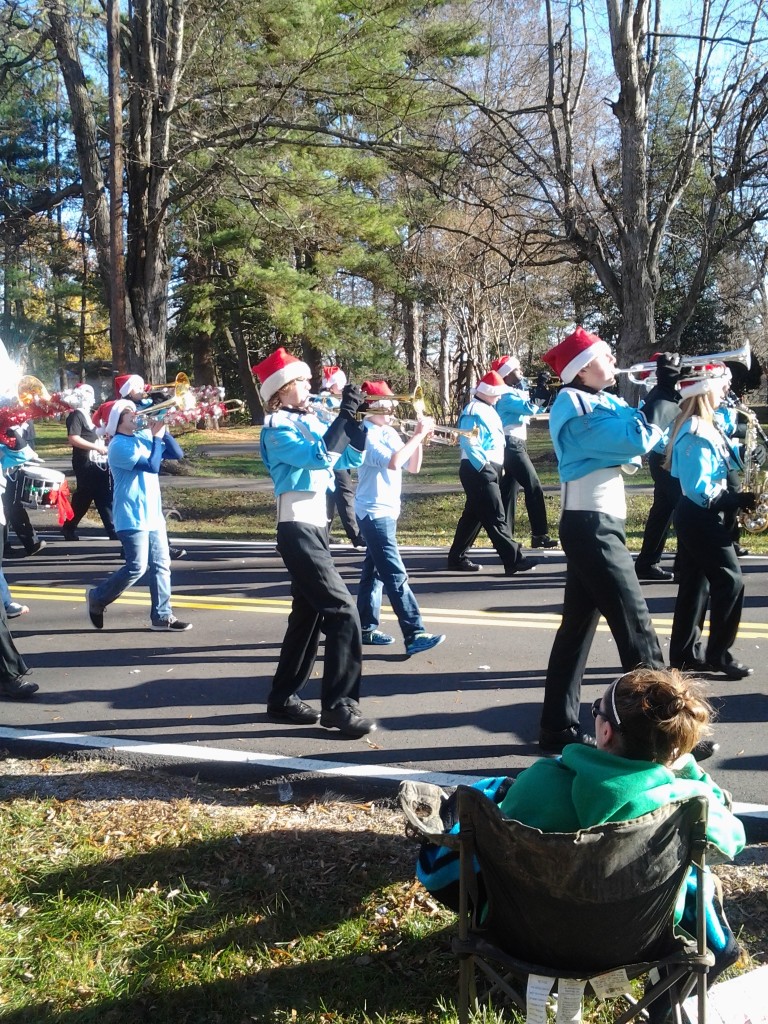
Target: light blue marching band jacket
(594, 435)
(701, 460)
(294, 452)
(515, 409)
(488, 446)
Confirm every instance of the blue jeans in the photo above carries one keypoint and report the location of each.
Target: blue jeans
(383, 569)
(144, 550)
(5, 594)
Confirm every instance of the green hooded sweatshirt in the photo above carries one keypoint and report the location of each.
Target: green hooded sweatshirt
(586, 786)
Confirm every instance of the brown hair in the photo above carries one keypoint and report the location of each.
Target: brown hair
(660, 714)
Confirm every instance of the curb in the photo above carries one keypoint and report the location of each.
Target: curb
(276, 778)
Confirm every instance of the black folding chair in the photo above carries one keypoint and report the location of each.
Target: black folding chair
(579, 906)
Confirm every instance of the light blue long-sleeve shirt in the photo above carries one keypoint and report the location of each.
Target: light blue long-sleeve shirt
(515, 408)
(488, 445)
(701, 459)
(599, 430)
(134, 461)
(294, 452)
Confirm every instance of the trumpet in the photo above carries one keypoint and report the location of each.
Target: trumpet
(645, 373)
(439, 434)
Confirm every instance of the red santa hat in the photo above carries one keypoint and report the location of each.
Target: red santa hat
(101, 415)
(705, 378)
(505, 365)
(333, 377)
(277, 370)
(492, 385)
(574, 353)
(379, 394)
(117, 410)
(127, 383)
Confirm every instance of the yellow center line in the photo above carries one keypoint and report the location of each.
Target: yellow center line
(281, 606)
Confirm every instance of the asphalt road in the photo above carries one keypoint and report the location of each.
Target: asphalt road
(468, 708)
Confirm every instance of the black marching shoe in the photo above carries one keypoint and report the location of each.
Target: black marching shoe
(523, 564)
(552, 742)
(705, 749)
(19, 688)
(70, 533)
(347, 719)
(463, 565)
(294, 711)
(732, 669)
(655, 574)
(740, 551)
(543, 540)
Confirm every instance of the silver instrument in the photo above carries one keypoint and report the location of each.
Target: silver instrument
(645, 373)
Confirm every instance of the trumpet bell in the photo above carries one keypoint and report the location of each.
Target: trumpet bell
(30, 389)
(180, 384)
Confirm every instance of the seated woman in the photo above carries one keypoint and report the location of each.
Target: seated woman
(646, 725)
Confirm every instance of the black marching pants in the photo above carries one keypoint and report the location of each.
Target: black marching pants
(483, 508)
(709, 571)
(600, 580)
(666, 494)
(342, 500)
(12, 665)
(519, 472)
(321, 603)
(16, 515)
(94, 484)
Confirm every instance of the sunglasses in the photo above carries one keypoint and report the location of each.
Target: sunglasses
(597, 712)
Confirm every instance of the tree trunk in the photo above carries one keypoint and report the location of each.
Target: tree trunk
(251, 398)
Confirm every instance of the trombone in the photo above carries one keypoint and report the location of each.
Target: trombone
(645, 373)
(180, 384)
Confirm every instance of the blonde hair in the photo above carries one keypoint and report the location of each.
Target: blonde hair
(660, 714)
(702, 406)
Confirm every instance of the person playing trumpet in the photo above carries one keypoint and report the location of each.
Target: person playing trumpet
(701, 458)
(300, 453)
(377, 507)
(482, 458)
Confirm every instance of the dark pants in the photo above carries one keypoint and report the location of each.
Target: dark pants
(519, 472)
(16, 515)
(483, 508)
(321, 603)
(600, 580)
(342, 500)
(709, 571)
(94, 485)
(12, 665)
(666, 494)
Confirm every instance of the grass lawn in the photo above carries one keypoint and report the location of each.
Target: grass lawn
(128, 897)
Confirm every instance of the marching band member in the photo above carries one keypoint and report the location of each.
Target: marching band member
(594, 433)
(482, 458)
(342, 498)
(515, 409)
(702, 458)
(301, 453)
(377, 505)
(89, 463)
(14, 671)
(135, 454)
